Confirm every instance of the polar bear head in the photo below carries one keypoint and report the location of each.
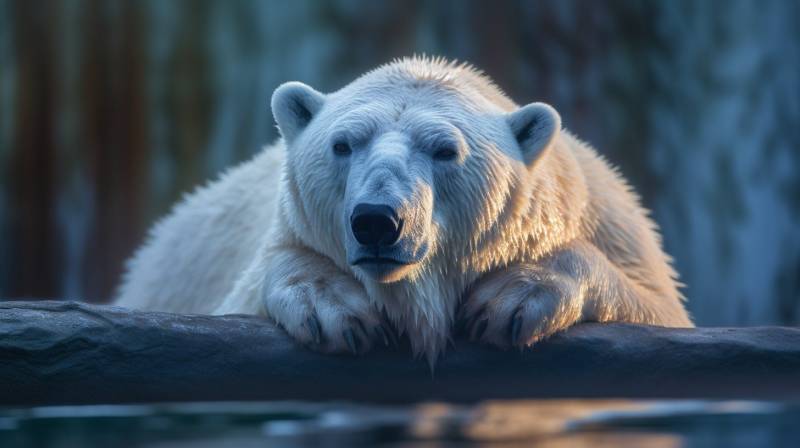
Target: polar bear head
(408, 168)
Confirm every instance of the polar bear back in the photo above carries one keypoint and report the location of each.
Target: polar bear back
(192, 257)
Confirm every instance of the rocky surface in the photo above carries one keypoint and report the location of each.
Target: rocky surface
(69, 353)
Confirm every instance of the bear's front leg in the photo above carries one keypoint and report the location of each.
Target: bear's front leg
(320, 305)
(526, 302)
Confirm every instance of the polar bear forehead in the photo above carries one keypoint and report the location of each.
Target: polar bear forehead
(361, 123)
(422, 115)
(436, 78)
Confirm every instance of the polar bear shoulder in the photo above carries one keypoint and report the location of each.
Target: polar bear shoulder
(191, 258)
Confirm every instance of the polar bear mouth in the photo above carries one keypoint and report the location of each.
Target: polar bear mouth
(383, 269)
(385, 265)
(379, 260)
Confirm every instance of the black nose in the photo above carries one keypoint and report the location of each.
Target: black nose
(375, 225)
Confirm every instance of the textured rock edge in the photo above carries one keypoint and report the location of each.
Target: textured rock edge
(54, 352)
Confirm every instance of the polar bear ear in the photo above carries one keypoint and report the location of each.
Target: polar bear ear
(294, 104)
(535, 126)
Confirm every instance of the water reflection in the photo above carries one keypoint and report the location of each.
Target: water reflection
(545, 423)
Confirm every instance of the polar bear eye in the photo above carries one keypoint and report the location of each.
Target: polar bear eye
(341, 149)
(445, 154)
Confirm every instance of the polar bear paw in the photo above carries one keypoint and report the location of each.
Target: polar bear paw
(517, 308)
(328, 313)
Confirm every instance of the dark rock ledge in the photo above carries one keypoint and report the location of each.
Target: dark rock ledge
(69, 353)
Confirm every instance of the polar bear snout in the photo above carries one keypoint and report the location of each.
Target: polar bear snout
(375, 225)
(377, 246)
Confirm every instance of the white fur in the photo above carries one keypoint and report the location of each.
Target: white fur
(525, 232)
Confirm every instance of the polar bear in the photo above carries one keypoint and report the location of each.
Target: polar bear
(416, 198)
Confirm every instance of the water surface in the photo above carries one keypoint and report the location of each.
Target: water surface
(543, 423)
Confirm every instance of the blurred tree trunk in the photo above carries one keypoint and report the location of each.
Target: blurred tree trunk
(114, 134)
(33, 244)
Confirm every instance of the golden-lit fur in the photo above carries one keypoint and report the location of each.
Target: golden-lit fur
(526, 232)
